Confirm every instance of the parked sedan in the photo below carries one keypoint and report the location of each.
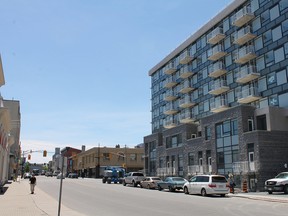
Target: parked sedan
(149, 182)
(171, 183)
(60, 175)
(73, 175)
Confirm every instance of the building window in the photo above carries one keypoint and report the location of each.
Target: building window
(269, 58)
(279, 55)
(271, 78)
(133, 157)
(191, 161)
(276, 33)
(250, 124)
(281, 77)
(274, 12)
(283, 5)
(207, 133)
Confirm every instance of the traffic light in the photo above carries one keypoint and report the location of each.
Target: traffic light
(44, 153)
(29, 157)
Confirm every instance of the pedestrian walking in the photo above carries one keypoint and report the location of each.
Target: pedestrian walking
(32, 183)
(231, 183)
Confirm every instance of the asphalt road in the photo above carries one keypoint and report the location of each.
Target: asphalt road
(92, 197)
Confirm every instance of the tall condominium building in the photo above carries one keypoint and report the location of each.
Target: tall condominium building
(219, 100)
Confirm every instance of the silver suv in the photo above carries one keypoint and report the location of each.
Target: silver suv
(207, 184)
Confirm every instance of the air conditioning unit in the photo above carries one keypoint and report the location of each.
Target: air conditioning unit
(193, 136)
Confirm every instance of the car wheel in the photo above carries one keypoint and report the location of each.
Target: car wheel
(286, 189)
(141, 185)
(186, 190)
(269, 192)
(124, 183)
(148, 186)
(159, 188)
(222, 195)
(134, 184)
(203, 192)
(170, 189)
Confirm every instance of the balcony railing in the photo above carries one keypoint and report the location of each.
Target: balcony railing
(186, 102)
(166, 171)
(170, 109)
(219, 105)
(243, 16)
(170, 123)
(243, 36)
(215, 36)
(170, 82)
(244, 167)
(248, 95)
(186, 71)
(217, 69)
(170, 68)
(186, 87)
(247, 74)
(216, 52)
(185, 57)
(169, 95)
(186, 117)
(219, 87)
(245, 54)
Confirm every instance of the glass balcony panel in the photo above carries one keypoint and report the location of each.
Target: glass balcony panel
(170, 123)
(245, 54)
(186, 102)
(186, 117)
(186, 57)
(243, 36)
(186, 87)
(219, 105)
(170, 68)
(217, 69)
(247, 74)
(216, 52)
(248, 95)
(215, 36)
(170, 109)
(186, 71)
(169, 95)
(170, 82)
(242, 17)
(219, 87)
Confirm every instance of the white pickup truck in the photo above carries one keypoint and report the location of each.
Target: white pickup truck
(133, 178)
(277, 184)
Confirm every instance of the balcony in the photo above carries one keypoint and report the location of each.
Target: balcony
(242, 17)
(186, 117)
(219, 105)
(215, 36)
(185, 87)
(169, 95)
(170, 82)
(247, 74)
(186, 102)
(186, 71)
(170, 68)
(170, 109)
(245, 54)
(216, 52)
(244, 167)
(219, 87)
(170, 123)
(185, 57)
(243, 36)
(217, 69)
(248, 95)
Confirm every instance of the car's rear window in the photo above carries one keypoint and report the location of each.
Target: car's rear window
(219, 179)
(138, 174)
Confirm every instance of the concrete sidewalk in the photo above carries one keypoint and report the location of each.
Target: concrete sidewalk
(17, 201)
(275, 197)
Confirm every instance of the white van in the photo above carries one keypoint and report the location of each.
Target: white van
(207, 184)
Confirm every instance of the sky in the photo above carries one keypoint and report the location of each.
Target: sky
(80, 67)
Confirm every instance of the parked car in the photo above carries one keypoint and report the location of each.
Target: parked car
(72, 175)
(56, 172)
(49, 174)
(277, 184)
(171, 183)
(60, 175)
(149, 182)
(207, 184)
(133, 178)
(27, 175)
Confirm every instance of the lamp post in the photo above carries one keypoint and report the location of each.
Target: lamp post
(61, 180)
